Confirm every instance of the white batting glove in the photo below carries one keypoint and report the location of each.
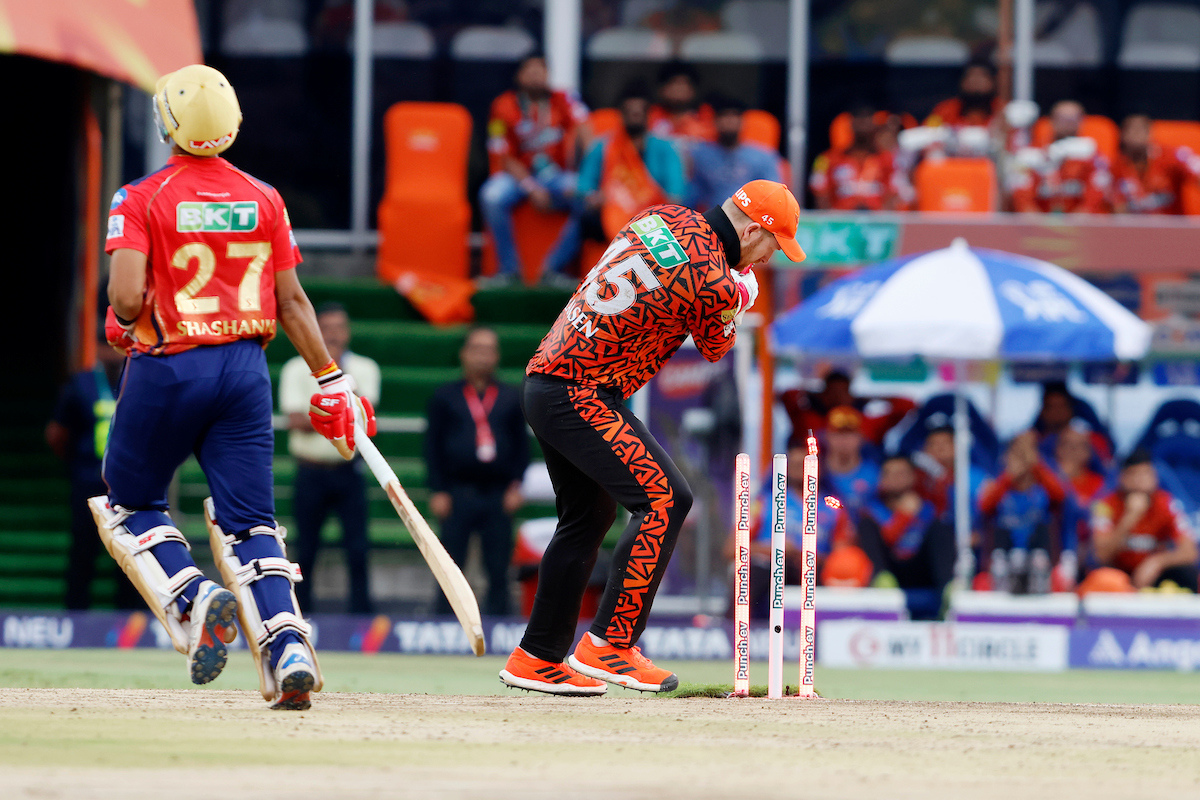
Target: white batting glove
(747, 290)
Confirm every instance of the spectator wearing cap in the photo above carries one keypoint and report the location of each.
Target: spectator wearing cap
(722, 167)
(901, 533)
(1022, 515)
(325, 482)
(835, 531)
(808, 410)
(851, 477)
(532, 136)
(1141, 529)
(630, 169)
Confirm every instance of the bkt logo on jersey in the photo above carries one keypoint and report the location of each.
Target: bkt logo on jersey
(216, 217)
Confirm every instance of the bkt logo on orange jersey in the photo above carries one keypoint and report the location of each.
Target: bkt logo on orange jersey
(216, 217)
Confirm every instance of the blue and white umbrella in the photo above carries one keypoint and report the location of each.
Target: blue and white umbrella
(962, 303)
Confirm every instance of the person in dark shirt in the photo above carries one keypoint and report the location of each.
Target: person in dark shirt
(77, 433)
(476, 452)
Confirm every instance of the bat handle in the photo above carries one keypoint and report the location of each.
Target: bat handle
(370, 453)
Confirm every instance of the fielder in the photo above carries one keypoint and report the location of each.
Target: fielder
(203, 270)
(670, 273)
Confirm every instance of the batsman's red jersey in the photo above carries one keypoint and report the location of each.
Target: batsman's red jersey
(214, 238)
(664, 276)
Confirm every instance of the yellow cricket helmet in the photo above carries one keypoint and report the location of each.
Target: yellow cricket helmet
(197, 108)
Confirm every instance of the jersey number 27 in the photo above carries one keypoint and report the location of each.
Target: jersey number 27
(249, 296)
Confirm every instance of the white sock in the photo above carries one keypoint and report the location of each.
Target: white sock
(596, 640)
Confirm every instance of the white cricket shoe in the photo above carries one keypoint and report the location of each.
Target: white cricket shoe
(212, 617)
(295, 675)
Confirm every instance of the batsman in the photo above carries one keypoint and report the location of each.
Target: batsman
(203, 270)
(670, 273)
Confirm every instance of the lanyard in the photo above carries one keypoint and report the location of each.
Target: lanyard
(485, 442)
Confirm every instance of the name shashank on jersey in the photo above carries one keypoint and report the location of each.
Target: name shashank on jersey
(609, 288)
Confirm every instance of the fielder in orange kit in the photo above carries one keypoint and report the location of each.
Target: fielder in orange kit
(670, 273)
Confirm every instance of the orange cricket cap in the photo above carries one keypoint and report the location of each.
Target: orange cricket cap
(773, 206)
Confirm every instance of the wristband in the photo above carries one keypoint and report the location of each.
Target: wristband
(327, 374)
(124, 323)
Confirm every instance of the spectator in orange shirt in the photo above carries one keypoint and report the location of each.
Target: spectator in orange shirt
(678, 116)
(1147, 178)
(976, 102)
(1066, 181)
(859, 178)
(1141, 529)
(532, 136)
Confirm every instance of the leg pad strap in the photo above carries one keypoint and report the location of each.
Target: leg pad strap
(239, 577)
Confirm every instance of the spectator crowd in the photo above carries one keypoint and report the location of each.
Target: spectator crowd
(1055, 511)
(669, 144)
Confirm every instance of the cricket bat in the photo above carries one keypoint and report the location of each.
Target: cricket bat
(448, 575)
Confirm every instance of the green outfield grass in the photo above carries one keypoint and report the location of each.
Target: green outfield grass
(351, 672)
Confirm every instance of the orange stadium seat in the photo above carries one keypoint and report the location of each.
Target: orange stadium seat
(424, 217)
(956, 184)
(1102, 129)
(1176, 133)
(760, 127)
(535, 233)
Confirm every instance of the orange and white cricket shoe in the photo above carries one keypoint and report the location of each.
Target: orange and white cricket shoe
(622, 666)
(523, 671)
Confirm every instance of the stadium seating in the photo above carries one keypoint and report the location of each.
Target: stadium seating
(425, 217)
(765, 20)
(956, 184)
(1075, 41)
(927, 51)
(1161, 36)
(629, 44)
(535, 233)
(721, 46)
(1173, 438)
(938, 412)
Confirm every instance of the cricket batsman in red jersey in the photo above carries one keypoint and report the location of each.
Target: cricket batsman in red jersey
(203, 269)
(670, 273)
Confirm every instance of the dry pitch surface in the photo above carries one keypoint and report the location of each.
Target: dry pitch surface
(218, 744)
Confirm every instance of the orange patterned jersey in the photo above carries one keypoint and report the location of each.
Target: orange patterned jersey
(664, 276)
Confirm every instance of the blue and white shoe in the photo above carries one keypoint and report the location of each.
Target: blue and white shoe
(295, 676)
(212, 617)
